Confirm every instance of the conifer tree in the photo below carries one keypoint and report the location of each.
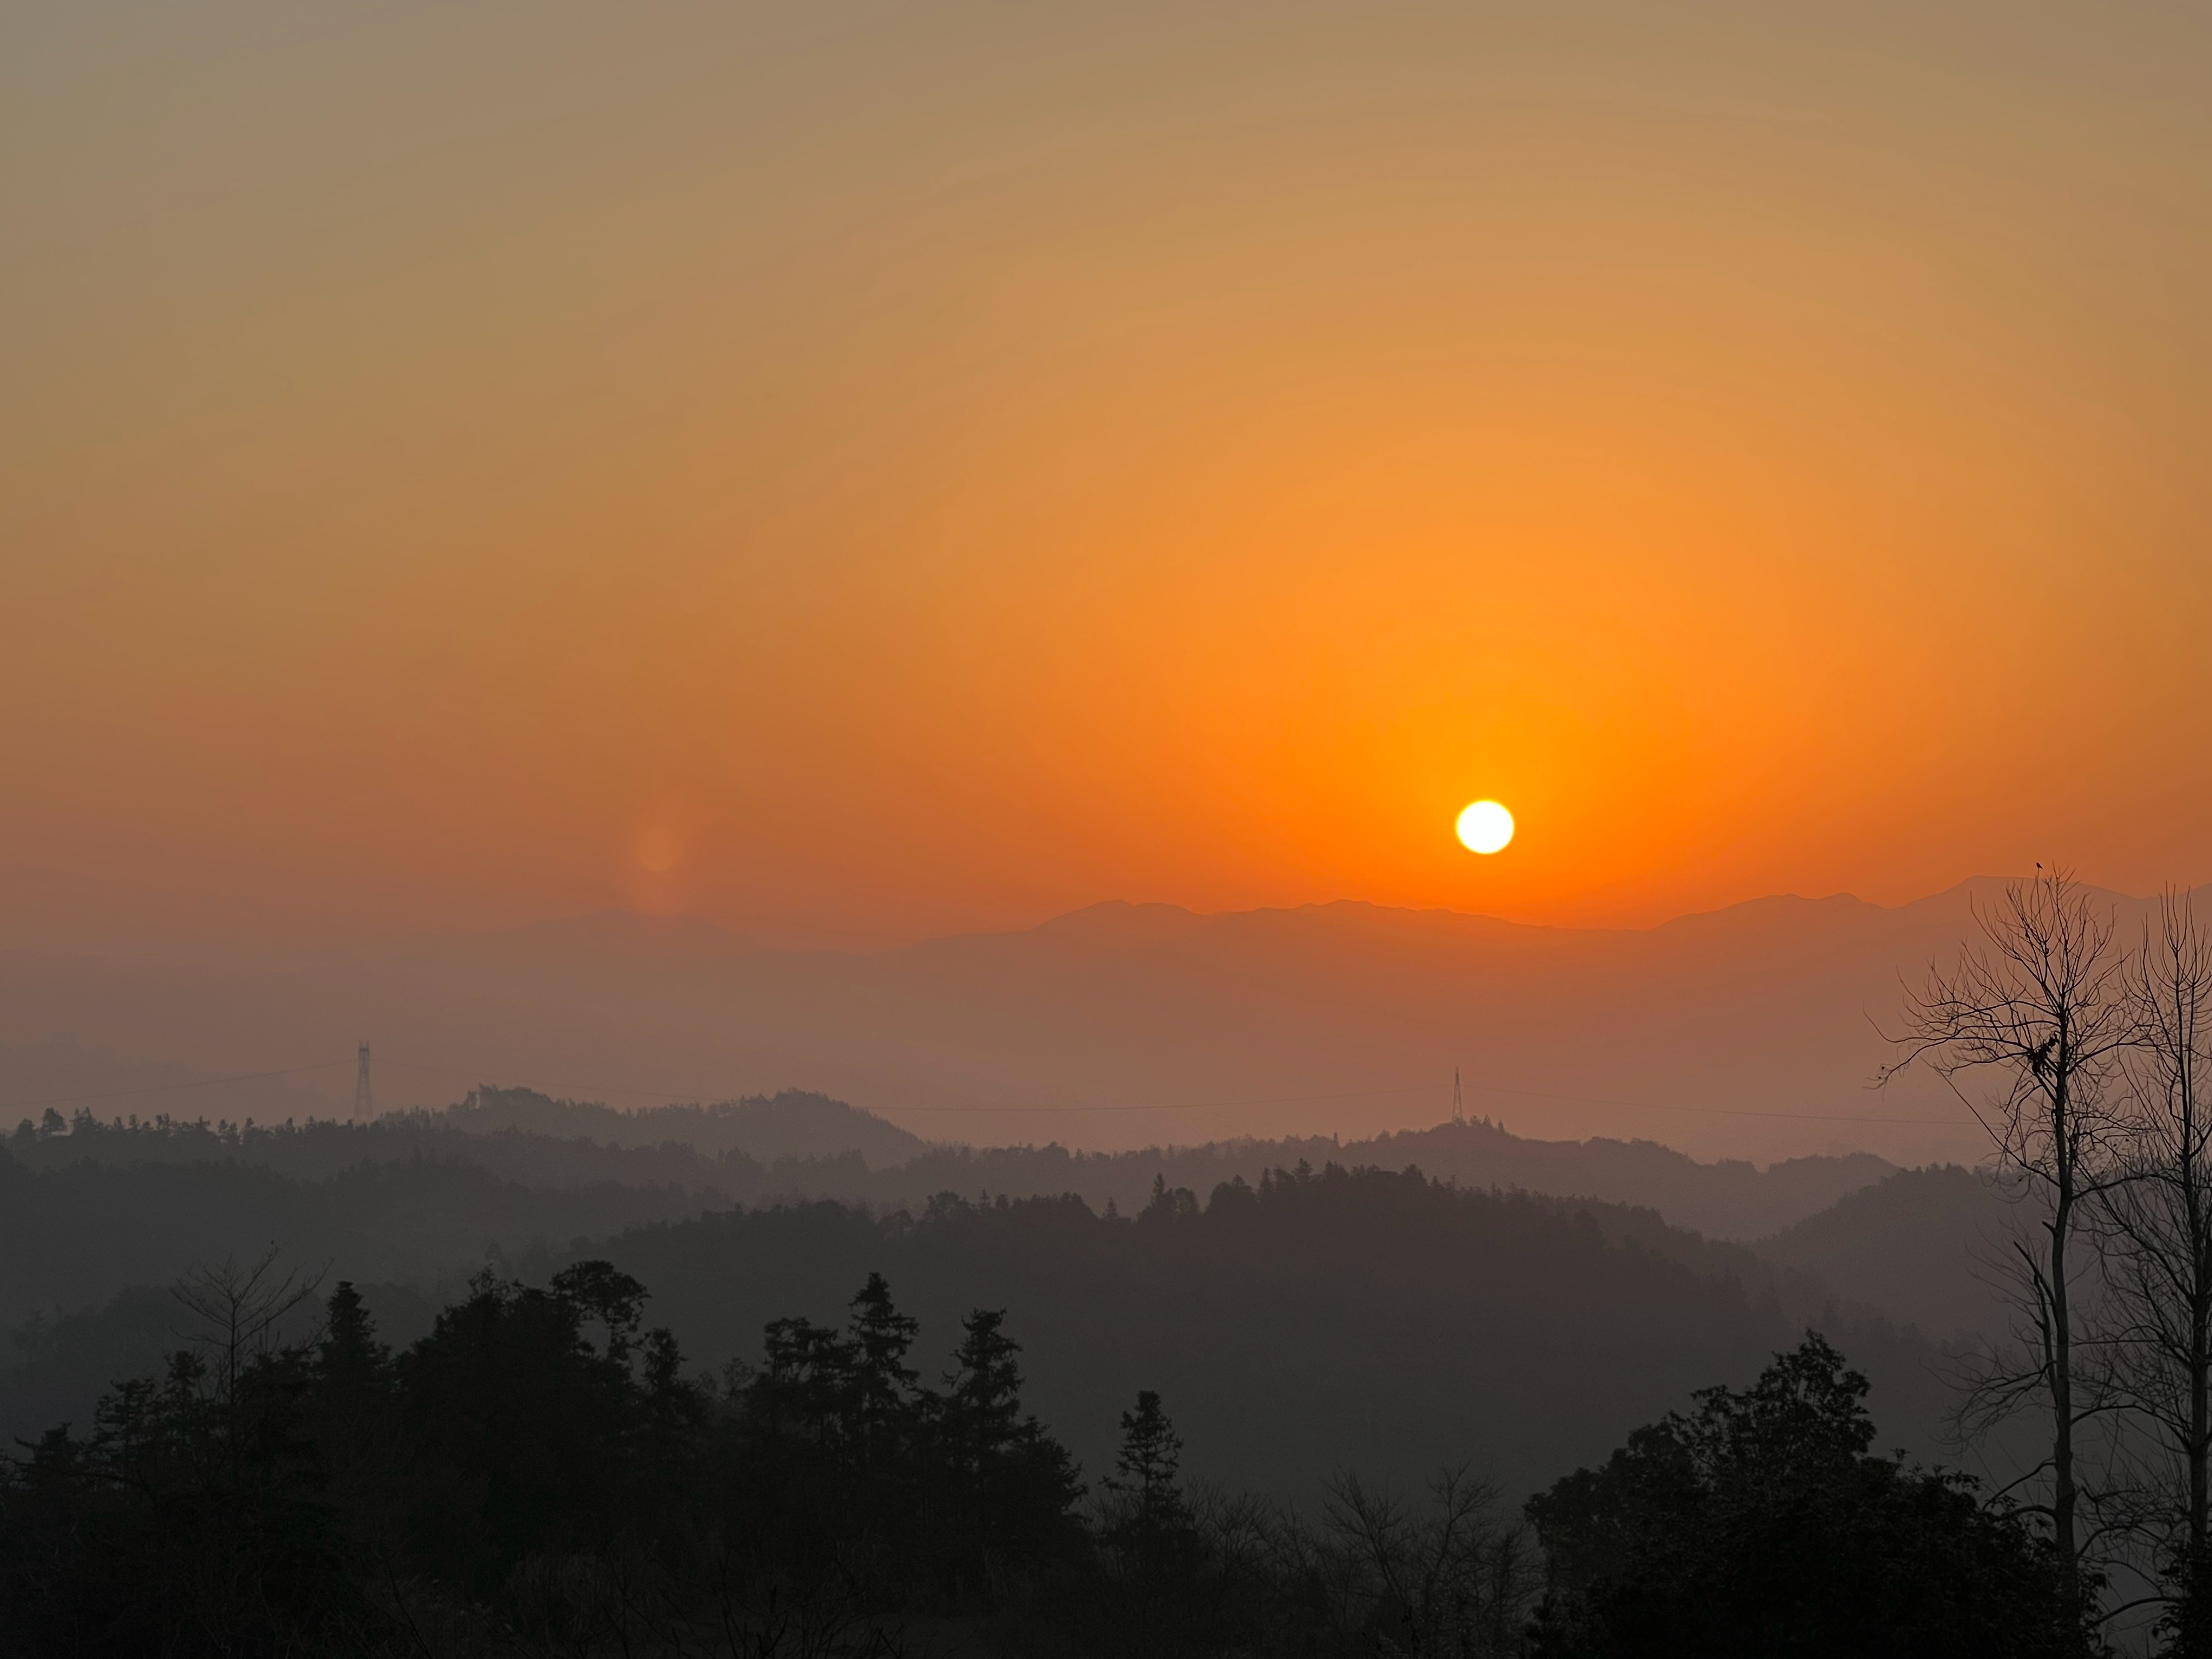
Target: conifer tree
(982, 1406)
(1145, 1468)
(882, 1383)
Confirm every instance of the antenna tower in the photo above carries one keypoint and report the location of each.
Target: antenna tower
(361, 1109)
(1459, 1105)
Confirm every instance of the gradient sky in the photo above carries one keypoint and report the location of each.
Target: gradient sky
(861, 472)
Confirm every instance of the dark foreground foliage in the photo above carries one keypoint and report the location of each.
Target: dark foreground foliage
(540, 1476)
(1760, 1525)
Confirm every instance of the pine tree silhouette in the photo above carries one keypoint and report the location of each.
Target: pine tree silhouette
(1145, 1468)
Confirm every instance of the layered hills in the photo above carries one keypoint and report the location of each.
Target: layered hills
(96, 1218)
(1752, 1031)
(801, 1146)
(1324, 1317)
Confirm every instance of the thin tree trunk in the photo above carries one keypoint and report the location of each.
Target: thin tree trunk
(2200, 1362)
(2159, 1233)
(2196, 1570)
(2040, 1010)
(2061, 1404)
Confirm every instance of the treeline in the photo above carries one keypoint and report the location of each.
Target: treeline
(797, 1145)
(1913, 1244)
(541, 1474)
(1730, 1199)
(1322, 1317)
(321, 1148)
(74, 1235)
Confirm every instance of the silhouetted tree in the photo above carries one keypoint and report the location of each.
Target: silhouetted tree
(193, 1520)
(351, 1414)
(1015, 1487)
(1449, 1580)
(525, 1431)
(1146, 1468)
(1155, 1594)
(883, 1400)
(2039, 1009)
(1759, 1524)
(538, 1475)
(597, 1291)
(2157, 1239)
(349, 1357)
(808, 1386)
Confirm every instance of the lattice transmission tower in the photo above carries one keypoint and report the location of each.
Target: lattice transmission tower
(361, 1109)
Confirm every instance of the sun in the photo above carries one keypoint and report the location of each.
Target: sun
(1485, 827)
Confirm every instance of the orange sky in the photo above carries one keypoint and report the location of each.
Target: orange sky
(860, 472)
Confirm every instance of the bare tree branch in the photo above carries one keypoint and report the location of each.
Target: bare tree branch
(2030, 1030)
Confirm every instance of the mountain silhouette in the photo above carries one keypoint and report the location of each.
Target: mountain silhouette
(1751, 1032)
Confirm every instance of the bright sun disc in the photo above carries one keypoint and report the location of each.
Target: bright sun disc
(1485, 827)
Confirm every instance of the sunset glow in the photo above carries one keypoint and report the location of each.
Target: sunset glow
(1163, 456)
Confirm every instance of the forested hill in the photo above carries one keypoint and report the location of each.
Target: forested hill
(74, 1235)
(1317, 1321)
(1467, 1311)
(797, 1145)
(1313, 1319)
(538, 1471)
(1930, 1246)
(793, 1124)
(789, 1143)
(1727, 1199)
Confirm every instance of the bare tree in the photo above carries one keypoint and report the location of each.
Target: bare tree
(1449, 1580)
(2157, 1235)
(2029, 1029)
(241, 1309)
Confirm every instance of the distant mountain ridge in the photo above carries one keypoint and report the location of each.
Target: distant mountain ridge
(1751, 1032)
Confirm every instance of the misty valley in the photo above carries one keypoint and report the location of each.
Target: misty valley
(1357, 1370)
(775, 1375)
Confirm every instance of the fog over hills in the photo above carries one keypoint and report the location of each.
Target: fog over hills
(1931, 1248)
(1744, 1032)
(1519, 1328)
(1482, 1299)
